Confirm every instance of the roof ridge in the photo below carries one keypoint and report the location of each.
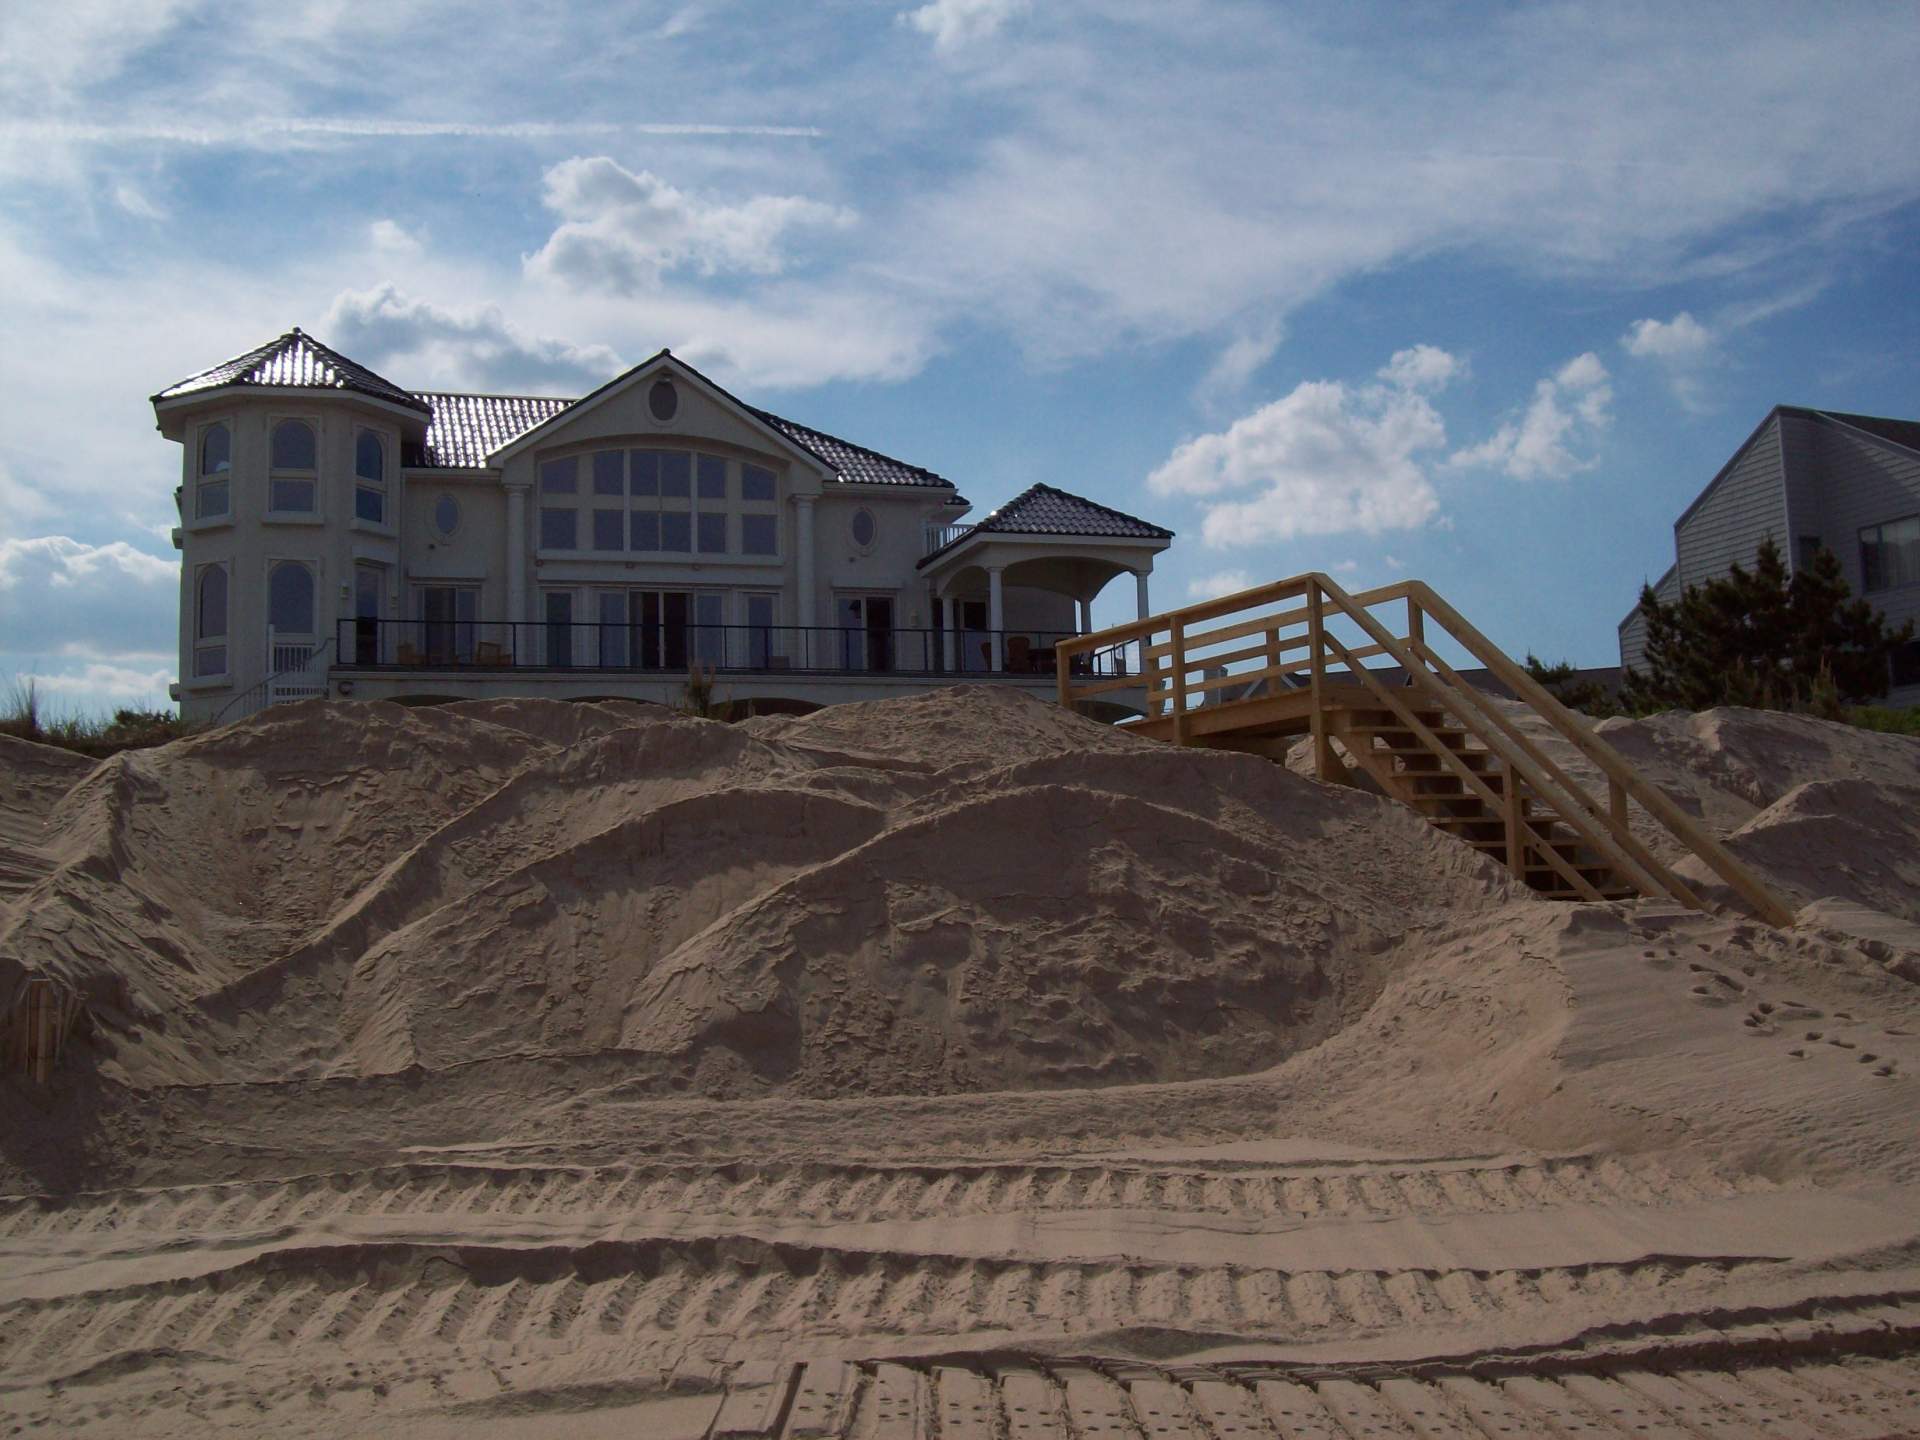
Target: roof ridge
(496, 395)
(1103, 508)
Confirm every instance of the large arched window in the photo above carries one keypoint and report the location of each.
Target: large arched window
(293, 489)
(211, 500)
(210, 622)
(216, 450)
(370, 478)
(290, 599)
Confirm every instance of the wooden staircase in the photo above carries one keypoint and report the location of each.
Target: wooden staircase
(1229, 674)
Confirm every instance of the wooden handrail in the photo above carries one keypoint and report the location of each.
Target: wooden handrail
(1602, 824)
(1611, 762)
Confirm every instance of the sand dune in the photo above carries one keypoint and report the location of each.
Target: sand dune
(940, 1066)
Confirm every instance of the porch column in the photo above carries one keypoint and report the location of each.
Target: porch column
(996, 618)
(803, 542)
(1086, 617)
(1140, 594)
(516, 562)
(950, 637)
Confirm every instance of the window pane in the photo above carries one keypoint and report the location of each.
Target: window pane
(369, 458)
(646, 530)
(559, 529)
(713, 478)
(676, 532)
(609, 529)
(213, 603)
(293, 496)
(713, 534)
(213, 499)
(757, 535)
(446, 515)
(646, 471)
(863, 528)
(370, 504)
(290, 599)
(609, 472)
(709, 631)
(613, 627)
(560, 477)
(1890, 554)
(293, 447)
(216, 450)
(676, 472)
(755, 483)
(210, 660)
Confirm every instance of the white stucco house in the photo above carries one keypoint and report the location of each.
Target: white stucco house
(341, 535)
(1808, 479)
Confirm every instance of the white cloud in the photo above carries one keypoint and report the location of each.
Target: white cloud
(1235, 366)
(129, 198)
(622, 231)
(476, 347)
(1681, 338)
(392, 238)
(956, 24)
(1569, 407)
(1327, 459)
(20, 503)
(81, 597)
(1422, 367)
(98, 685)
(1224, 582)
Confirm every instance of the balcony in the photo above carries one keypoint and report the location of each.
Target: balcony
(479, 648)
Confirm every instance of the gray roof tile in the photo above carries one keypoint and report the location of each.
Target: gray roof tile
(294, 360)
(854, 463)
(1044, 510)
(465, 429)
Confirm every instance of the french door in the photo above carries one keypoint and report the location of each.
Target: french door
(866, 632)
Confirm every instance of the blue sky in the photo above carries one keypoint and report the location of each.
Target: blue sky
(1480, 294)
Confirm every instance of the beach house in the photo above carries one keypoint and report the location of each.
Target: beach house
(341, 535)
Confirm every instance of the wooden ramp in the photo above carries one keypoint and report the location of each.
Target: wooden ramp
(1259, 670)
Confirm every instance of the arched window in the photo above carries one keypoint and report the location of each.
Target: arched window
(293, 445)
(210, 622)
(216, 450)
(290, 599)
(369, 457)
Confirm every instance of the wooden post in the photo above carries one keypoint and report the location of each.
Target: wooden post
(1617, 803)
(1516, 815)
(1325, 766)
(1416, 627)
(1062, 663)
(1178, 640)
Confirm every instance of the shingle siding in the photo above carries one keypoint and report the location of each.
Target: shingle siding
(1726, 525)
(1806, 493)
(1633, 629)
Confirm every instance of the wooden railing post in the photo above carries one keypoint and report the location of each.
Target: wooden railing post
(1516, 829)
(1063, 685)
(1617, 803)
(1178, 639)
(1325, 766)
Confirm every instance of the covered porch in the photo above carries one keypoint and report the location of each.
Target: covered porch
(1029, 573)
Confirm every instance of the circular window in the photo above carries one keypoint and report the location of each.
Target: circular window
(663, 400)
(446, 515)
(863, 529)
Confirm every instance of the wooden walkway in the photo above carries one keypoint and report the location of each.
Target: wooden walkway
(1259, 670)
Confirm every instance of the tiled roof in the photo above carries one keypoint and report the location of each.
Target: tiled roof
(1905, 433)
(465, 429)
(294, 360)
(1044, 510)
(1047, 510)
(855, 463)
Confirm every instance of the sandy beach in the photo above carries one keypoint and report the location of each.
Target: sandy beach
(941, 1066)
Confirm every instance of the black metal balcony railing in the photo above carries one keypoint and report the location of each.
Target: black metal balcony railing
(494, 645)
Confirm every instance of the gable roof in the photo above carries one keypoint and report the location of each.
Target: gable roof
(296, 361)
(465, 429)
(1049, 510)
(1904, 433)
(855, 464)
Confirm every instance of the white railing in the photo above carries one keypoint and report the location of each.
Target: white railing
(296, 670)
(943, 535)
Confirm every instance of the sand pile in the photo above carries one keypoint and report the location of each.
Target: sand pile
(959, 891)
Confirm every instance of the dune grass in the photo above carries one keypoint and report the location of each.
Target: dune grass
(26, 714)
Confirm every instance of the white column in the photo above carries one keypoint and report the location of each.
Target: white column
(1086, 617)
(516, 566)
(996, 619)
(951, 639)
(803, 543)
(1140, 594)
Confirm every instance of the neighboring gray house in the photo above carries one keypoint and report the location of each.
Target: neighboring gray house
(1810, 478)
